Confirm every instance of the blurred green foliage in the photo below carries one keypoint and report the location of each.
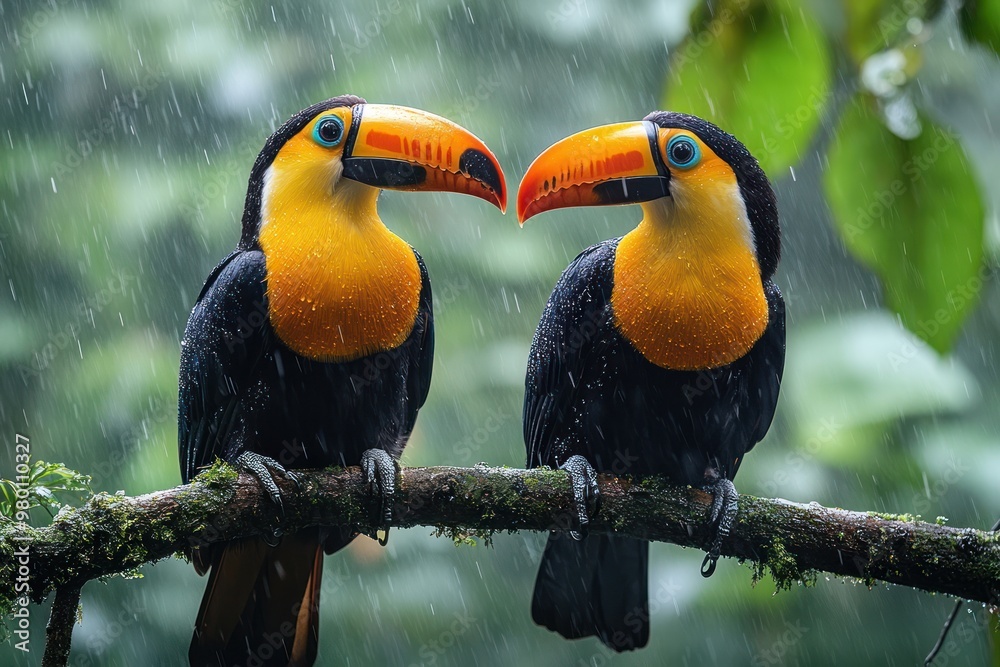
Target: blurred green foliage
(725, 72)
(874, 25)
(911, 210)
(980, 21)
(902, 195)
(128, 131)
(41, 485)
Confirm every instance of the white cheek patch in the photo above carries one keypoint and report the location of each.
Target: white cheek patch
(267, 189)
(326, 179)
(336, 171)
(737, 204)
(722, 202)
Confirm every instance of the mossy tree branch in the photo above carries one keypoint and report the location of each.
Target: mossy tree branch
(59, 632)
(116, 534)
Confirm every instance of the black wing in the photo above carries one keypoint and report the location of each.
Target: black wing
(568, 339)
(421, 358)
(767, 364)
(226, 336)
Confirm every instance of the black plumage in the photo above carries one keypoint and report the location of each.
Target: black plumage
(755, 189)
(589, 392)
(311, 346)
(242, 389)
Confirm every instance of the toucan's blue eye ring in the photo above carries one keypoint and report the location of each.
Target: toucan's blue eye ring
(328, 131)
(683, 152)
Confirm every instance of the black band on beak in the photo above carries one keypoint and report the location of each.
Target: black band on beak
(633, 190)
(379, 172)
(476, 164)
(399, 148)
(383, 172)
(654, 149)
(637, 189)
(352, 135)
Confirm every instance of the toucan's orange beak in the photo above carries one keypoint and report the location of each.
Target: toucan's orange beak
(401, 148)
(610, 164)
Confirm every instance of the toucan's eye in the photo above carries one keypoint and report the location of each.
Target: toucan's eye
(328, 131)
(683, 153)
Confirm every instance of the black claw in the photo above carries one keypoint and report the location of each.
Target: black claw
(272, 538)
(708, 565)
(296, 479)
(264, 468)
(380, 472)
(586, 494)
(722, 514)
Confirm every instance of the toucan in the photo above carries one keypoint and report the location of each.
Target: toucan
(658, 353)
(311, 345)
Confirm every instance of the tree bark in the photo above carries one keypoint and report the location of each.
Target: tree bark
(116, 534)
(59, 631)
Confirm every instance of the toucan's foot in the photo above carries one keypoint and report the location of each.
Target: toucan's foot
(380, 472)
(586, 495)
(264, 468)
(722, 514)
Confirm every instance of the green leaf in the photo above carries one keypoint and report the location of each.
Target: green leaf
(727, 72)
(875, 25)
(910, 210)
(846, 382)
(7, 498)
(44, 480)
(980, 22)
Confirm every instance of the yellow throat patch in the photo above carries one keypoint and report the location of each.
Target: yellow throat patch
(340, 285)
(687, 288)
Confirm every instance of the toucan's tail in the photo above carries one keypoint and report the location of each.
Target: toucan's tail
(597, 586)
(261, 605)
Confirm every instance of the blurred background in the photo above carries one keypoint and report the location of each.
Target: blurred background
(127, 131)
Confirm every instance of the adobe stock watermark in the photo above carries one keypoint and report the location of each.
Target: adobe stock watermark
(21, 614)
(913, 169)
(634, 619)
(376, 365)
(566, 10)
(97, 134)
(108, 633)
(473, 441)
(703, 383)
(158, 412)
(375, 26)
(60, 339)
(900, 16)
(246, 326)
(793, 121)
(619, 463)
(796, 460)
(35, 23)
(225, 6)
(775, 653)
(216, 184)
(274, 643)
(463, 110)
(431, 651)
(584, 331)
(957, 299)
(694, 46)
(923, 503)
(962, 634)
